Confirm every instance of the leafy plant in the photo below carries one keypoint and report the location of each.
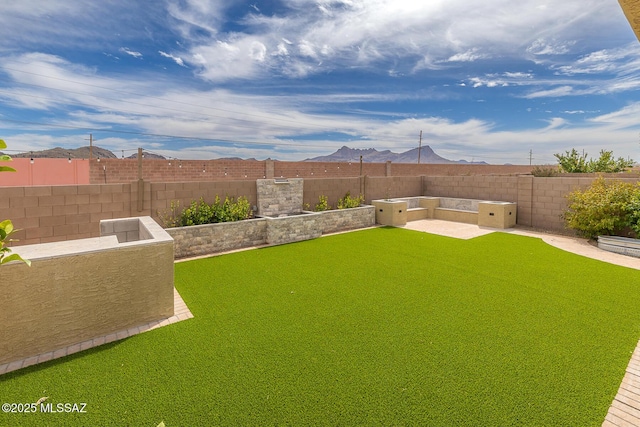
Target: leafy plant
(348, 202)
(605, 208)
(197, 213)
(6, 226)
(573, 162)
(200, 212)
(5, 158)
(6, 229)
(323, 204)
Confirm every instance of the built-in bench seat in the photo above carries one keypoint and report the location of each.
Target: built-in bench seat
(471, 211)
(414, 214)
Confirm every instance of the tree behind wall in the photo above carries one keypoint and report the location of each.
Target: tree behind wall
(573, 162)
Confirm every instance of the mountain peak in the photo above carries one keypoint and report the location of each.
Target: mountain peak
(371, 155)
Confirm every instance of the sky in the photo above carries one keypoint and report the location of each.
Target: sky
(499, 81)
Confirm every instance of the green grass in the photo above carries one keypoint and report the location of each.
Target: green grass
(376, 327)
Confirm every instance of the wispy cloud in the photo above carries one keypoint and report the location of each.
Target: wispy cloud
(131, 52)
(176, 59)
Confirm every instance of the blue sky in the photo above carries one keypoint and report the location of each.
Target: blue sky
(489, 80)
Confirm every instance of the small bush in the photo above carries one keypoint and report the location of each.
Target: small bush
(170, 218)
(322, 205)
(605, 208)
(348, 202)
(201, 212)
(544, 172)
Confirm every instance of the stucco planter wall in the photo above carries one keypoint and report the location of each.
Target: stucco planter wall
(83, 289)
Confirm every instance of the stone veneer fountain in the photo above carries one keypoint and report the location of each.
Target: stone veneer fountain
(279, 219)
(280, 202)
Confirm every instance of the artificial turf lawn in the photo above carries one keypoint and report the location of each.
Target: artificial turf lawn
(377, 327)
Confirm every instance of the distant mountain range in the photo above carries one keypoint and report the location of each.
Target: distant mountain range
(371, 155)
(79, 153)
(344, 154)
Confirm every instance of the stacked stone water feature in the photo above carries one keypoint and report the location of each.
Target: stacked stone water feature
(280, 202)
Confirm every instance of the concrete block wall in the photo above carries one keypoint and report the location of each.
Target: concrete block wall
(484, 187)
(392, 187)
(333, 188)
(108, 171)
(126, 170)
(541, 201)
(549, 200)
(54, 213)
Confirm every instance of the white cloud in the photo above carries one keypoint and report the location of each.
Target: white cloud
(551, 93)
(413, 35)
(176, 59)
(544, 47)
(131, 52)
(468, 56)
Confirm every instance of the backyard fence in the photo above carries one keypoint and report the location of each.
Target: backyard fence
(55, 213)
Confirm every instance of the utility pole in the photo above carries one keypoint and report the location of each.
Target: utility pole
(90, 146)
(419, 147)
(530, 156)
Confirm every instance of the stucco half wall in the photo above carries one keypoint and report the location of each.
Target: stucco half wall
(81, 289)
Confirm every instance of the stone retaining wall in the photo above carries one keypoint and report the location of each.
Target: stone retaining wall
(293, 228)
(206, 239)
(197, 240)
(348, 219)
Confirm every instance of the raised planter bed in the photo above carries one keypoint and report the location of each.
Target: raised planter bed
(198, 240)
(620, 245)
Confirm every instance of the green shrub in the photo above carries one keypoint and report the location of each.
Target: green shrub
(322, 205)
(237, 210)
(197, 213)
(605, 208)
(219, 211)
(634, 213)
(348, 202)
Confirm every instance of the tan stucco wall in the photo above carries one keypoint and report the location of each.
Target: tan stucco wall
(68, 299)
(631, 10)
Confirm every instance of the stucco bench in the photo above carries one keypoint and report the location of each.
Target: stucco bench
(471, 211)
